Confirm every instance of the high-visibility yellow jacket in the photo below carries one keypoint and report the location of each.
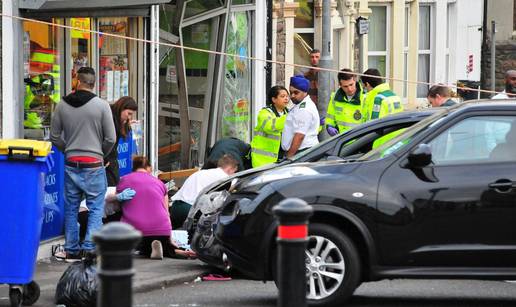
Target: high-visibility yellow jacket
(266, 142)
(344, 113)
(381, 101)
(389, 136)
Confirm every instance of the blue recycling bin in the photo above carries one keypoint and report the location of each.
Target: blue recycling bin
(23, 165)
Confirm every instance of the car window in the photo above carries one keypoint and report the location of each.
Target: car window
(476, 139)
(310, 151)
(371, 140)
(404, 138)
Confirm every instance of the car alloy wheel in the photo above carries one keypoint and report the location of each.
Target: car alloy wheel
(332, 266)
(325, 267)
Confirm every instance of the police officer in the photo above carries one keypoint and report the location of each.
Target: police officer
(345, 106)
(380, 101)
(265, 147)
(302, 123)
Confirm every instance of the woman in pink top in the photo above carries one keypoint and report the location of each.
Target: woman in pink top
(147, 211)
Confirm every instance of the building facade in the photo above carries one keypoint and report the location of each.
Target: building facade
(417, 40)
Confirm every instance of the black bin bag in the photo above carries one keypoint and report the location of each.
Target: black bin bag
(78, 285)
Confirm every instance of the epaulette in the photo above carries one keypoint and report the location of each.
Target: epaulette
(302, 105)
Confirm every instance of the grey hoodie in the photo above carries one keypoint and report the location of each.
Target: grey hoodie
(82, 125)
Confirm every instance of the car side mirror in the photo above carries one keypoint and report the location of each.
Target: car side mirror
(420, 156)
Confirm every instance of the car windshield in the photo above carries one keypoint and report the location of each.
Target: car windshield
(314, 148)
(405, 138)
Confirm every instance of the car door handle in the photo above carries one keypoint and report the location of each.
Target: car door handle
(502, 185)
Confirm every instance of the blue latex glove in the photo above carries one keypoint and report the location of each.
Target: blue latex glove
(332, 130)
(126, 194)
(322, 120)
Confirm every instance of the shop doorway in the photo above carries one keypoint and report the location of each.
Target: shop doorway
(219, 88)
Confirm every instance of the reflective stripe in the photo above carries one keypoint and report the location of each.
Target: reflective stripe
(345, 124)
(264, 123)
(42, 57)
(330, 116)
(264, 153)
(274, 123)
(339, 109)
(268, 136)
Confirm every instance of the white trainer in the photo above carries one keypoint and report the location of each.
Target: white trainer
(157, 250)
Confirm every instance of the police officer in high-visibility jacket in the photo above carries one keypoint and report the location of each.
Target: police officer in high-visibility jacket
(345, 106)
(266, 143)
(380, 101)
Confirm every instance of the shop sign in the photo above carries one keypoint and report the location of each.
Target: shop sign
(81, 23)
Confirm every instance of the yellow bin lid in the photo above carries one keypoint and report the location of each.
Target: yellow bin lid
(23, 146)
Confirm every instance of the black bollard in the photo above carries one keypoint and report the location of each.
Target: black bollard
(115, 244)
(293, 215)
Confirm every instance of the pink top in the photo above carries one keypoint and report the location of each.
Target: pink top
(146, 211)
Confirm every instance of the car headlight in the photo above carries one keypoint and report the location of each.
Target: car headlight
(211, 202)
(283, 173)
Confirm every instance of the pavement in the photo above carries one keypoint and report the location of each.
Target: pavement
(150, 275)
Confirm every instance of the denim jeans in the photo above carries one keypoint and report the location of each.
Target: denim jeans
(89, 183)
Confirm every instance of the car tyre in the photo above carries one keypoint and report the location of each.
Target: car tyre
(333, 263)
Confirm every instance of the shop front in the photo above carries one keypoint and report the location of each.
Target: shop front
(187, 100)
(59, 37)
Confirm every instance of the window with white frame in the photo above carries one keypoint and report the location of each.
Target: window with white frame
(303, 34)
(377, 39)
(450, 26)
(406, 50)
(425, 49)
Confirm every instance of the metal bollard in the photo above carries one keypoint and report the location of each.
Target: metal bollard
(115, 244)
(293, 215)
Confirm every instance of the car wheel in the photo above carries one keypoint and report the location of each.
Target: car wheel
(332, 266)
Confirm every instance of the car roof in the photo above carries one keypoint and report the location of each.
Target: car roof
(486, 105)
(402, 117)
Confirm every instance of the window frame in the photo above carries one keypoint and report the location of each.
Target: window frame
(388, 26)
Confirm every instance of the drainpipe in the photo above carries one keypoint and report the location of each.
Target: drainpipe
(323, 92)
(493, 55)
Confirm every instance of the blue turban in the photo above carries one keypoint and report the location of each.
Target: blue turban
(300, 82)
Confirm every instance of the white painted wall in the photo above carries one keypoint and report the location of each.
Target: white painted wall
(467, 39)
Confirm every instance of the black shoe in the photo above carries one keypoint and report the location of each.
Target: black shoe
(70, 258)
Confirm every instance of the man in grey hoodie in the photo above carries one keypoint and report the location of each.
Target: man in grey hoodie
(82, 128)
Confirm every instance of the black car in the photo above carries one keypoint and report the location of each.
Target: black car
(437, 201)
(202, 217)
